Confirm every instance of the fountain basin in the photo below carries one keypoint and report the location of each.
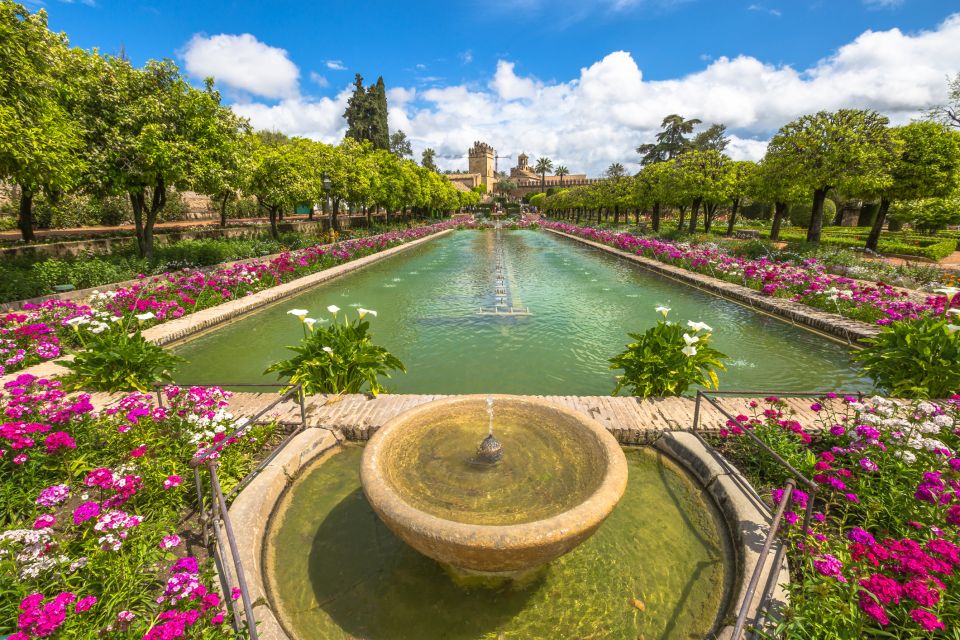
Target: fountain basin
(560, 477)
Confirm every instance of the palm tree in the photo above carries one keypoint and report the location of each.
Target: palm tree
(616, 171)
(560, 172)
(543, 166)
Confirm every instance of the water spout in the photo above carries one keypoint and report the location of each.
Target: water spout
(490, 450)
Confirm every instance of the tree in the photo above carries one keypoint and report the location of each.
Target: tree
(616, 170)
(714, 138)
(949, 113)
(400, 146)
(741, 176)
(671, 141)
(40, 141)
(366, 114)
(427, 160)
(275, 176)
(543, 167)
(651, 188)
(561, 172)
(224, 176)
(927, 165)
(850, 150)
(773, 182)
(702, 178)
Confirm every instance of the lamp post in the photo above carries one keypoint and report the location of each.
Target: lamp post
(334, 223)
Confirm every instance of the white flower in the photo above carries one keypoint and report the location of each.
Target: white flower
(333, 309)
(300, 313)
(948, 291)
(689, 351)
(117, 319)
(953, 312)
(98, 327)
(699, 326)
(953, 328)
(143, 317)
(906, 456)
(77, 321)
(310, 322)
(328, 350)
(663, 311)
(690, 340)
(364, 312)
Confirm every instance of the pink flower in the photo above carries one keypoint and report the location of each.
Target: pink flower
(58, 440)
(172, 481)
(927, 620)
(85, 511)
(828, 565)
(85, 604)
(44, 521)
(54, 495)
(170, 541)
(235, 593)
(126, 616)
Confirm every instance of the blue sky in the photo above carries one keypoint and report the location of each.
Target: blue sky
(545, 77)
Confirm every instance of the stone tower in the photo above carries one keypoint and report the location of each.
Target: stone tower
(482, 162)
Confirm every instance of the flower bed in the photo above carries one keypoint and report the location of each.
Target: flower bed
(881, 557)
(94, 539)
(41, 332)
(806, 282)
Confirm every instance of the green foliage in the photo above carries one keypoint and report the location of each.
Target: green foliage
(337, 358)
(366, 114)
(666, 359)
(929, 214)
(799, 214)
(116, 357)
(915, 359)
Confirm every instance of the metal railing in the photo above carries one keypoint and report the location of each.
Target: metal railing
(218, 511)
(791, 485)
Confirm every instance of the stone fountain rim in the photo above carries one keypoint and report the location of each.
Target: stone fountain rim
(582, 517)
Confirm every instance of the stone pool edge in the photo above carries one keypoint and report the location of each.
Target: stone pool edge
(833, 325)
(167, 333)
(748, 522)
(746, 517)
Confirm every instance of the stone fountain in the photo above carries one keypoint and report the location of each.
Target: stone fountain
(502, 510)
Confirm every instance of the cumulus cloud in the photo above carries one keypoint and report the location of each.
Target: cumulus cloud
(335, 65)
(243, 63)
(600, 116)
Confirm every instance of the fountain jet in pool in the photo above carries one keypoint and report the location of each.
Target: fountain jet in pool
(561, 476)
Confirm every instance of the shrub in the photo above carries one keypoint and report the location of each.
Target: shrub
(666, 359)
(339, 358)
(915, 359)
(800, 214)
(116, 358)
(927, 215)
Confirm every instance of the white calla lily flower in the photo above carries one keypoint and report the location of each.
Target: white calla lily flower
(953, 312)
(310, 322)
(947, 291)
(364, 312)
(689, 351)
(77, 321)
(328, 350)
(143, 317)
(662, 310)
(333, 309)
(953, 328)
(699, 326)
(300, 313)
(690, 340)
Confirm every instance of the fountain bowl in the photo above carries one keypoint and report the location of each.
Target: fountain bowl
(586, 475)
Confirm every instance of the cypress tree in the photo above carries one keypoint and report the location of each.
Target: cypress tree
(356, 112)
(379, 130)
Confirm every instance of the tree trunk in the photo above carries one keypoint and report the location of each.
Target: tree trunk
(779, 212)
(334, 220)
(655, 221)
(694, 210)
(709, 211)
(837, 217)
(616, 215)
(873, 241)
(683, 216)
(816, 217)
(274, 214)
(369, 218)
(636, 217)
(25, 218)
(733, 216)
(579, 211)
(223, 209)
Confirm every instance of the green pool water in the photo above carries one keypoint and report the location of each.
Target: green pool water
(659, 567)
(582, 303)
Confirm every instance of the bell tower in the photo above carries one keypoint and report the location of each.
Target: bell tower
(481, 161)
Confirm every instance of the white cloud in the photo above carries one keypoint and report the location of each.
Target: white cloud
(242, 62)
(319, 80)
(602, 114)
(335, 65)
(883, 4)
(762, 9)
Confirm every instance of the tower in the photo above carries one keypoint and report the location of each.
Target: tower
(481, 161)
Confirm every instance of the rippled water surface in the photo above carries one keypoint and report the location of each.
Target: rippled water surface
(582, 303)
(657, 568)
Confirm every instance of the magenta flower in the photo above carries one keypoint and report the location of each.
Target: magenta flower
(86, 511)
(45, 521)
(54, 495)
(926, 620)
(828, 565)
(172, 481)
(169, 541)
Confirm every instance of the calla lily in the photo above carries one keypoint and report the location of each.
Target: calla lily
(663, 311)
(689, 351)
(328, 350)
(333, 309)
(953, 312)
(310, 322)
(77, 321)
(300, 313)
(364, 312)
(143, 317)
(699, 326)
(953, 328)
(948, 291)
(690, 340)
